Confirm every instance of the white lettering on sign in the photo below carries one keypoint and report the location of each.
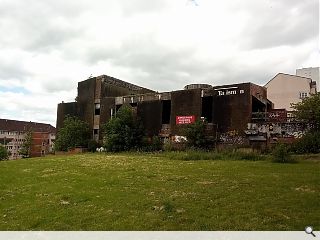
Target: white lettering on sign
(230, 92)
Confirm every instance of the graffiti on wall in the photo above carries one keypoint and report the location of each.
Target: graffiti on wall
(286, 130)
(232, 137)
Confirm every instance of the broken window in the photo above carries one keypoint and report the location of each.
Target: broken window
(207, 108)
(97, 109)
(118, 106)
(133, 104)
(166, 111)
(258, 105)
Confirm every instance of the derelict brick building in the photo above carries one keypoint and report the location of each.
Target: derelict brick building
(225, 108)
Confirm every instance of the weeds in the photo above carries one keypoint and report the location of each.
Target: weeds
(192, 155)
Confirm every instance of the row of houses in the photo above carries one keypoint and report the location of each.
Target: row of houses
(13, 134)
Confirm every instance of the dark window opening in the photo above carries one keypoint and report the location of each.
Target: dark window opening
(118, 107)
(257, 105)
(166, 111)
(97, 109)
(133, 104)
(95, 131)
(207, 108)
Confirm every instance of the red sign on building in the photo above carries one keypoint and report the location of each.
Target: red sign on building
(185, 119)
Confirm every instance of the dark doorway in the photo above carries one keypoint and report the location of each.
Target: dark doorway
(166, 111)
(207, 108)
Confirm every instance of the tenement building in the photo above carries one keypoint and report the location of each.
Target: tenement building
(285, 89)
(227, 109)
(13, 134)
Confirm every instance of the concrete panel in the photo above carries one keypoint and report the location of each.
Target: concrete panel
(150, 115)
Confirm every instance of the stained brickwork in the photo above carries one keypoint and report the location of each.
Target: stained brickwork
(227, 108)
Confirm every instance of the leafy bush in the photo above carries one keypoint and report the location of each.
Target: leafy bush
(155, 144)
(4, 154)
(308, 111)
(195, 134)
(25, 149)
(93, 145)
(309, 143)
(73, 133)
(281, 154)
(168, 145)
(123, 132)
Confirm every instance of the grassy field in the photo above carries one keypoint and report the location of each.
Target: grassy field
(153, 192)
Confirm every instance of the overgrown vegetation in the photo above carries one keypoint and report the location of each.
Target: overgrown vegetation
(281, 154)
(195, 134)
(4, 153)
(194, 155)
(309, 143)
(25, 149)
(123, 132)
(308, 111)
(74, 133)
(93, 145)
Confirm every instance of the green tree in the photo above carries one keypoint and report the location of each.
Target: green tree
(195, 134)
(25, 149)
(4, 153)
(73, 133)
(308, 111)
(123, 132)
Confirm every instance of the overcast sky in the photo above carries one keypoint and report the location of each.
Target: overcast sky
(47, 46)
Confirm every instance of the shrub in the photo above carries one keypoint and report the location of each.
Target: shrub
(281, 154)
(25, 149)
(123, 132)
(168, 145)
(195, 134)
(73, 133)
(4, 154)
(156, 144)
(93, 145)
(309, 143)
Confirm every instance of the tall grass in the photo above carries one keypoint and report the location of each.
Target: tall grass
(192, 155)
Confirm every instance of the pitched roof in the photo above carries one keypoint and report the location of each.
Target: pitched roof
(287, 75)
(22, 126)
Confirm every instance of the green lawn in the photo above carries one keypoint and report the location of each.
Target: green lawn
(151, 192)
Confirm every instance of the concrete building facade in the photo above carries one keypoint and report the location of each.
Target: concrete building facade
(285, 89)
(226, 108)
(312, 72)
(13, 134)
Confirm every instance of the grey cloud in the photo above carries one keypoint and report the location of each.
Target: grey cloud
(37, 25)
(59, 85)
(281, 23)
(16, 70)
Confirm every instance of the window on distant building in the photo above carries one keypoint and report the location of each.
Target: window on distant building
(97, 109)
(303, 95)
